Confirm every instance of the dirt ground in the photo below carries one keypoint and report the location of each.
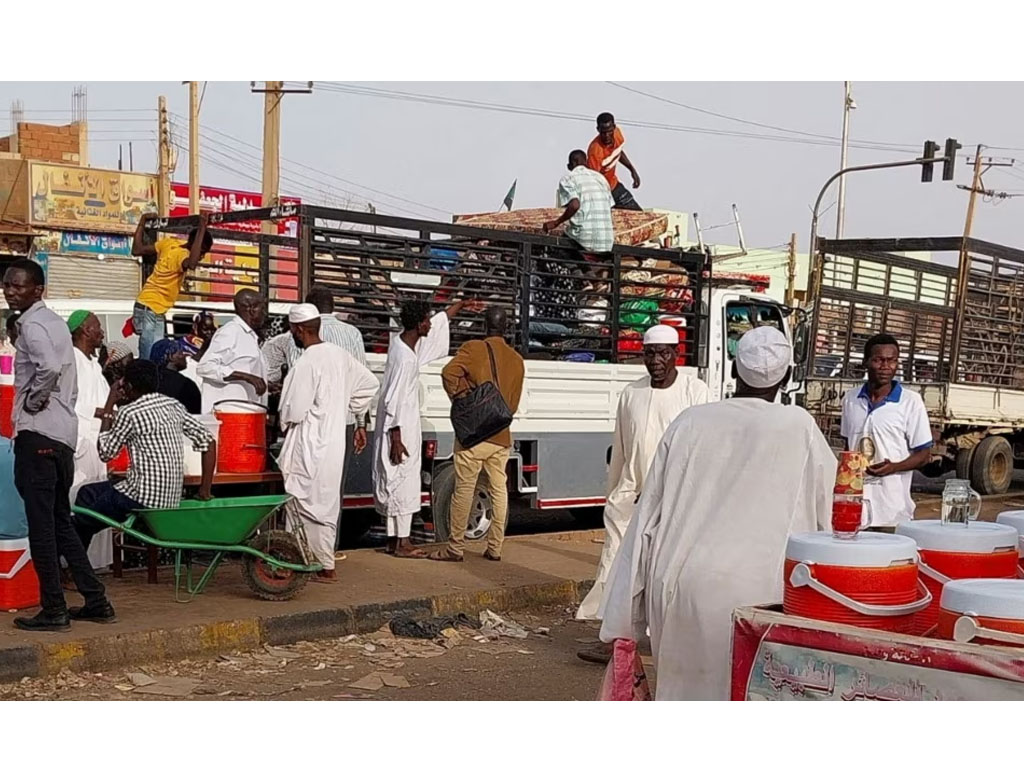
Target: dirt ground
(469, 666)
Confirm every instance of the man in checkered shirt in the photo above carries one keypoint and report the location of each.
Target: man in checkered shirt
(151, 426)
(588, 206)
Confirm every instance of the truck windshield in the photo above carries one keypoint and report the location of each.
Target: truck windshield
(741, 316)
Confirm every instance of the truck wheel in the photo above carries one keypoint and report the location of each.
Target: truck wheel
(481, 511)
(992, 466)
(964, 458)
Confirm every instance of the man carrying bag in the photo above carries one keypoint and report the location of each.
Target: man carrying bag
(484, 382)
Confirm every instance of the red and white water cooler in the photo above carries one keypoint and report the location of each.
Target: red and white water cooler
(19, 585)
(951, 551)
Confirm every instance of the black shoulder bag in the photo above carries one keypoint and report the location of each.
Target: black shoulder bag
(481, 412)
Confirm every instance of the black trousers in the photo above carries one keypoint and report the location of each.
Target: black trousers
(624, 199)
(43, 472)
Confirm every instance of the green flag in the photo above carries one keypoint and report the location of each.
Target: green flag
(507, 202)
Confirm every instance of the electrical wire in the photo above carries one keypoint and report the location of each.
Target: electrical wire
(285, 161)
(341, 88)
(656, 97)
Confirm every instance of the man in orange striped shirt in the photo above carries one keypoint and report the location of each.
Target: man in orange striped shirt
(604, 153)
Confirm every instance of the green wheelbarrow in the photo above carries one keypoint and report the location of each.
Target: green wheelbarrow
(275, 564)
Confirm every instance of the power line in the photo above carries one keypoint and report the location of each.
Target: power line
(553, 114)
(747, 122)
(333, 176)
(236, 155)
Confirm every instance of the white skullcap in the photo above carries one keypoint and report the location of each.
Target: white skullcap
(763, 356)
(303, 313)
(661, 334)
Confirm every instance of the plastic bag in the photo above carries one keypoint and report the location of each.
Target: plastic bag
(625, 679)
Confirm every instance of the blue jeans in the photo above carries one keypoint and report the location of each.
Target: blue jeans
(150, 326)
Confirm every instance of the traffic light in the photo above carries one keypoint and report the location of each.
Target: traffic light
(949, 158)
(930, 148)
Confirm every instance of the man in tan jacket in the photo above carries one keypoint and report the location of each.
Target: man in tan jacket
(472, 366)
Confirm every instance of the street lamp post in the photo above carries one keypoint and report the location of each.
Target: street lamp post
(813, 253)
(848, 105)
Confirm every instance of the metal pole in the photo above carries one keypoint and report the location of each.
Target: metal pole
(841, 199)
(812, 252)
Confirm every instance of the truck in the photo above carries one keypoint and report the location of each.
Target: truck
(956, 305)
(578, 325)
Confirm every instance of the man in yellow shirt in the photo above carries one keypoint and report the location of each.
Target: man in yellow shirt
(169, 263)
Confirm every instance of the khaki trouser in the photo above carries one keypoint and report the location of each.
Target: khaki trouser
(492, 459)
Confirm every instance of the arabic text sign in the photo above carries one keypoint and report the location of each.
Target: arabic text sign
(777, 658)
(71, 197)
(218, 200)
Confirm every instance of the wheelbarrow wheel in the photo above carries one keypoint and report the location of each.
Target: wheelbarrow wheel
(266, 580)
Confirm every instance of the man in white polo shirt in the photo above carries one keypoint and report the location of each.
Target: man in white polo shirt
(889, 425)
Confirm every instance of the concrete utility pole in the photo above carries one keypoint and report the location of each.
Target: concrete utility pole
(848, 105)
(272, 143)
(963, 272)
(163, 184)
(193, 147)
(273, 92)
(791, 273)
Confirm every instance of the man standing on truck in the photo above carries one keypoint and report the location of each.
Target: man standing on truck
(646, 408)
(588, 207)
(604, 153)
(169, 262)
(729, 483)
(476, 362)
(889, 425)
(397, 439)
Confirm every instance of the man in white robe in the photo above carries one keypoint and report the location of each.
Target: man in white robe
(730, 482)
(646, 408)
(323, 388)
(397, 436)
(87, 337)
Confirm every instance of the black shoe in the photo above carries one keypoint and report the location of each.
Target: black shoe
(101, 614)
(597, 654)
(492, 558)
(43, 622)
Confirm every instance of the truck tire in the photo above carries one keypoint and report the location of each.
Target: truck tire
(964, 457)
(992, 466)
(481, 512)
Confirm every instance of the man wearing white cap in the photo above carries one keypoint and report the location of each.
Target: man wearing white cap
(322, 389)
(729, 483)
(646, 408)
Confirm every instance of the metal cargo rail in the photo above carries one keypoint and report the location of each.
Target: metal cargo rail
(861, 288)
(564, 306)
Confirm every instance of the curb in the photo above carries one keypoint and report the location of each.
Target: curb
(97, 654)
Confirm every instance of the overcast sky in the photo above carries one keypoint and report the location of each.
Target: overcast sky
(445, 159)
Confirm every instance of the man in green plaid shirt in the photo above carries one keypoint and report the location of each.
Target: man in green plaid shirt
(588, 206)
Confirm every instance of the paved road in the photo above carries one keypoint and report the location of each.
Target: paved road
(540, 667)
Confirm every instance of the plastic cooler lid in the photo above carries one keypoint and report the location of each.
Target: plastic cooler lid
(866, 550)
(1014, 517)
(958, 537)
(992, 598)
